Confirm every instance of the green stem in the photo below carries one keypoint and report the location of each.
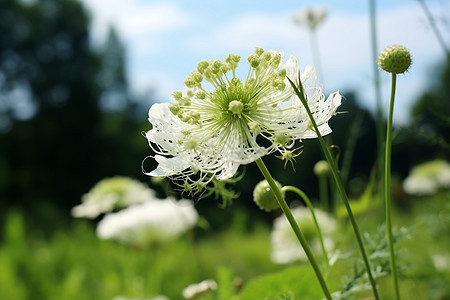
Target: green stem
(323, 192)
(294, 225)
(387, 187)
(339, 185)
(379, 108)
(436, 31)
(311, 208)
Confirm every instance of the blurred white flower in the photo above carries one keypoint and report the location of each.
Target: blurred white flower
(147, 223)
(285, 246)
(427, 178)
(310, 17)
(441, 262)
(195, 289)
(110, 194)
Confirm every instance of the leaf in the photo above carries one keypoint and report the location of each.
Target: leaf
(299, 281)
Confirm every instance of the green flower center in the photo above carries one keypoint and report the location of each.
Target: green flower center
(236, 107)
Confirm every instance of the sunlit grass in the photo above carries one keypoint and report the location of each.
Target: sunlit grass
(74, 264)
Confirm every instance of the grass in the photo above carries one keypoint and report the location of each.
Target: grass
(74, 264)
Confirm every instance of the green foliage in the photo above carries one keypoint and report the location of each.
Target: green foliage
(74, 264)
(297, 282)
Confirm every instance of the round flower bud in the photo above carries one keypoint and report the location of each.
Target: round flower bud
(264, 197)
(394, 59)
(177, 95)
(321, 168)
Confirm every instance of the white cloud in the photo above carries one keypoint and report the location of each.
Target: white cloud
(141, 25)
(344, 43)
(344, 40)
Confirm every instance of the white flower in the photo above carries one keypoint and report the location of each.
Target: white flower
(110, 194)
(427, 178)
(441, 262)
(321, 109)
(285, 245)
(204, 134)
(195, 289)
(310, 17)
(151, 222)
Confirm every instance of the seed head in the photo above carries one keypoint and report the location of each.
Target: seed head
(394, 59)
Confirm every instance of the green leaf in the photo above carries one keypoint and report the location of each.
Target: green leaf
(297, 282)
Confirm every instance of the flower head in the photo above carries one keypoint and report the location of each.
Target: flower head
(285, 246)
(151, 222)
(110, 194)
(208, 133)
(394, 59)
(195, 289)
(427, 178)
(310, 17)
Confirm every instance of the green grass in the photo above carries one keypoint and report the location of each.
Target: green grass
(74, 264)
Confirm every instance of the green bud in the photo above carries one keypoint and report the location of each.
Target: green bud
(255, 62)
(185, 101)
(394, 59)
(189, 81)
(281, 86)
(200, 95)
(322, 168)
(216, 65)
(264, 196)
(177, 95)
(276, 60)
(174, 109)
(232, 58)
(225, 68)
(196, 76)
(267, 55)
(282, 73)
(250, 57)
(190, 93)
(202, 65)
(259, 51)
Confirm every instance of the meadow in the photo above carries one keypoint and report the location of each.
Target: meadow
(73, 263)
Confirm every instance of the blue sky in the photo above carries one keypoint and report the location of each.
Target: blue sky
(166, 39)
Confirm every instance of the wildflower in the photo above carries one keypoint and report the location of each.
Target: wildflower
(110, 194)
(285, 246)
(148, 223)
(310, 17)
(196, 289)
(441, 262)
(427, 178)
(205, 134)
(394, 59)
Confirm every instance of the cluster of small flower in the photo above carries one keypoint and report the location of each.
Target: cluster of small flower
(208, 134)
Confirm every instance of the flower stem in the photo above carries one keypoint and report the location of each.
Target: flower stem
(294, 225)
(299, 91)
(323, 192)
(387, 187)
(436, 31)
(379, 105)
(311, 208)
